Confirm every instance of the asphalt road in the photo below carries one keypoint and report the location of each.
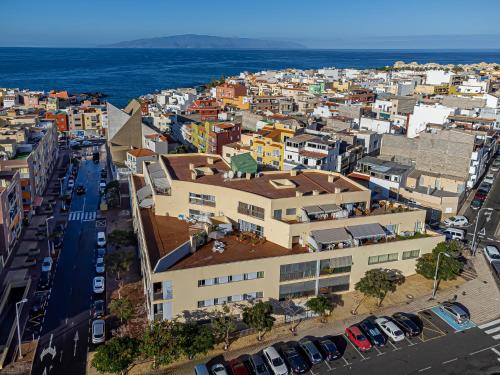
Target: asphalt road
(64, 339)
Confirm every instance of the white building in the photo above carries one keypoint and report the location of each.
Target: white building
(309, 151)
(438, 77)
(377, 125)
(424, 114)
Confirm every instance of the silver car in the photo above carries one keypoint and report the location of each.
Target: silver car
(456, 312)
(312, 353)
(98, 331)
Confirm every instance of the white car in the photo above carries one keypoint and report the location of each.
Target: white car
(494, 168)
(47, 264)
(99, 265)
(98, 285)
(390, 329)
(98, 331)
(86, 143)
(489, 178)
(219, 369)
(71, 184)
(456, 221)
(101, 239)
(491, 253)
(275, 361)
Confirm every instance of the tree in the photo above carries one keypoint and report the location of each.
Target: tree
(223, 325)
(196, 339)
(120, 237)
(259, 316)
(122, 308)
(321, 306)
(116, 355)
(119, 261)
(160, 342)
(449, 267)
(376, 283)
(112, 192)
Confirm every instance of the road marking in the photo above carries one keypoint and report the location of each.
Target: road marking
(489, 324)
(482, 350)
(313, 373)
(493, 330)
(346, 362)
(410, 342)
(394, 346)
(378, 350)
(329, 367)
(449, 361)
(424, 369)
(362, 356)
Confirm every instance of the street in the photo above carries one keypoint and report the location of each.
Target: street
(64, 338)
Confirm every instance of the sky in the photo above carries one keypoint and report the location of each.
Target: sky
(376, 24)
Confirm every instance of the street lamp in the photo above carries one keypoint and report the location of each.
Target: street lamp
(434, 289)
(18, 327)
(475, 227)
(48, 236)
(61, 179)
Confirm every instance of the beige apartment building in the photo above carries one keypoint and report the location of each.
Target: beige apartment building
(209, 237)
(11, 213)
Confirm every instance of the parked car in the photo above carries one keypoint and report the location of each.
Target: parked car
(46, 264)
(295, 361)
(80, 190)
(407, 323)
(98, 284)
(491, 253)
(98, 331)
(480, 195)
(476, 204)
(101, 252)
(484, 188)
(311, 351)
(494, 168)
(39, 302)
(44, 281)
(86, 143)
(489, 178)
(390, 329)
(58, 241)
(219, 369)
(458, 314)
(99, 265)
(372, 332)
(102, 186)
(357, 337)
(30, 261)
(329, 350)
(238, 367)
(258, 365)
(71, 184)
(101, 239)
(454, 234)
(275, 361)
(456, 221)
(98, 309)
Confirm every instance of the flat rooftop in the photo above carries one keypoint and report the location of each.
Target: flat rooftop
(268, 184)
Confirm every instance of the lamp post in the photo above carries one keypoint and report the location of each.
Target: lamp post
(18, 326)
(48, 235)
(61, 179)
(434, 289)
(475, 228)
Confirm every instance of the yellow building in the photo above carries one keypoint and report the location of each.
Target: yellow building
(268, 144)
(208, 237)
(240, 102)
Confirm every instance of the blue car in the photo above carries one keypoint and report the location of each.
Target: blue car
(373, 333)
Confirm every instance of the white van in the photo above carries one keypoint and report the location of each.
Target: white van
(454, 234)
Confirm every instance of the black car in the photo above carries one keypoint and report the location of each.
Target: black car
(295, 361)
(80, 190)
(373, 333)
(98, 310)
(258, 366)
(59, 228)
(44, 281)
(58, 241)
(329, 350)
(39, 301)
(100, 252)
(407, 323)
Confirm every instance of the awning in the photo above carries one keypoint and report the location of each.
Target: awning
(37, 202)
(366, 231)
(144, 192)
(313, 210)
(329, 208)
(335, 235)
(147, 203)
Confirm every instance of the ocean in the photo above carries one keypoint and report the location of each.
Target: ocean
(124, 74)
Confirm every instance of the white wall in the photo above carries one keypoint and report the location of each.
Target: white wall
(379, 126)
(425, 114)
(438, 77)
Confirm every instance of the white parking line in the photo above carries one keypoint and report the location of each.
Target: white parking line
(424, 369)
(482, 350)
(362, 356)
(394, 346)
(492, 330)
(410, 343)
(312, 373)
(378, 351)
(329, 367)
(346, 362)
(449, 361)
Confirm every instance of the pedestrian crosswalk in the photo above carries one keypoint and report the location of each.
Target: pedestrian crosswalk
(82, 216)
(492, 328)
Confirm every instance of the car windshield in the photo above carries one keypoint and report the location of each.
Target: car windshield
(316, 356)
(277, 361)
(329, 346)
(398, 333)
(453, 218)
(360, 337)
(374, 331)
(260, 368)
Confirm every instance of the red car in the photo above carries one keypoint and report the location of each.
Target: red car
(357, 337)
(238, 367)
(480, 196)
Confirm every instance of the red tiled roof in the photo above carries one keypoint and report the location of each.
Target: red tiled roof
(141, 152)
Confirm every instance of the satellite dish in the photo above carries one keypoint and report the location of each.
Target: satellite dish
(231, 174)
(239, 174)
(225, 175)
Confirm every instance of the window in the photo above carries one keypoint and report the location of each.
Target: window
(291, 211)
(277, 214)
(235, 298)
(260, 150)
(296, 290)
(335, 265)
(384, 258)
(245, 226)
(230, 278)
(334, 284)
(411, 254)
(251, 210)
(276, 153)
(202, 199)
(296, 271)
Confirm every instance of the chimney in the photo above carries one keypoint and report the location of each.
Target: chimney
(331, 178)
(298, 193)
(293, 173)
(191, 166)
(248, 176)
(428, 189)
(193, 174)
(315, 192)
(337, 190)
(210, 160)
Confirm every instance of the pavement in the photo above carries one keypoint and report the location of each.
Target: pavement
(65, 333)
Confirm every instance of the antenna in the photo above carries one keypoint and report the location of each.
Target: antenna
(239, 174)
(231, 174)
(225, 175)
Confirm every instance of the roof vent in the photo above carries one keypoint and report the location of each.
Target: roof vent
(337, 190)
(298, 193)
(248, 176)
(293, 173)
(315, 192)
(191, 166)
(210, 160)
(331, 178)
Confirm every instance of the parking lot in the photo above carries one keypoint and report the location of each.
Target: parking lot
(440, 346)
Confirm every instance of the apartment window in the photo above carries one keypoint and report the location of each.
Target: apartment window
(200, 215)
(334, 284)
(411, 254)
(277, 214)
(260, 150)
(276, 153)
(291, 211)
(245, 226)
(202, 199)
(295, 271)
(228, 299)
(231, 278)
(384, 258)
(157, 291)
(335, 265)
(297, 290)
(251, 210)
(158, 311)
